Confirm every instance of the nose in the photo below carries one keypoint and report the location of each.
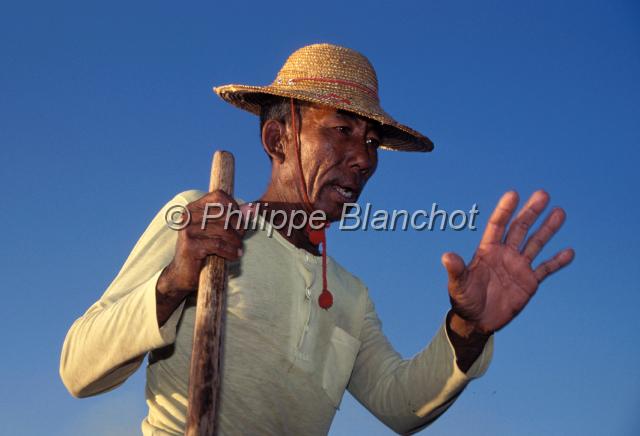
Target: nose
(362, 159)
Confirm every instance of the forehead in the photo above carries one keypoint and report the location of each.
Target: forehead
(321, 112)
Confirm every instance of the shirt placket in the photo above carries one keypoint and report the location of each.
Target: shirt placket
(307, 336)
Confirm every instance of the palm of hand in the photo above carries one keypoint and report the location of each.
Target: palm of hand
(500, 280)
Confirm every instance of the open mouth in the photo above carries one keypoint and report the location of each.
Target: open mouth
(347, 193)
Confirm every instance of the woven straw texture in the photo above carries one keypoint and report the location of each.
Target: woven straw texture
(334, 76)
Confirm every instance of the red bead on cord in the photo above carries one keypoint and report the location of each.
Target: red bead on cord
(318, 236)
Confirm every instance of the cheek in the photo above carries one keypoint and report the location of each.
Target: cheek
(318, 180)
(374, 160)
(319, 157)
(329, 145)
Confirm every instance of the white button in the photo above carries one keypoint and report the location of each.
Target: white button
(306, 257)
(308, 293)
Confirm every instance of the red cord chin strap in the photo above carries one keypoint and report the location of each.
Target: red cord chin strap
(316, 236)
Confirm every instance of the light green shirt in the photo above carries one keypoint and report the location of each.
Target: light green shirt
(287, 362)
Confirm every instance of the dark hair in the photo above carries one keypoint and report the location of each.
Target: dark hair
(279, 109)
(274, 108)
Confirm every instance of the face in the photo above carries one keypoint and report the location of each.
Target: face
(339, 153)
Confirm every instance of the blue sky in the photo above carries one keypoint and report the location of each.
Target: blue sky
(106, 112)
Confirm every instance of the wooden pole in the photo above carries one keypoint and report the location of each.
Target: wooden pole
(205, 372)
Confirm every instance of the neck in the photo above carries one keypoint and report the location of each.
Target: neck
(273, 201)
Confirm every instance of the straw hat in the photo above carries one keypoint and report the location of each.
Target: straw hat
(334, 76)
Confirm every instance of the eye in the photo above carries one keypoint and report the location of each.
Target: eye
(345, 130)
(373, 142)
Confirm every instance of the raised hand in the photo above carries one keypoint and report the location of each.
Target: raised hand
(500, 279)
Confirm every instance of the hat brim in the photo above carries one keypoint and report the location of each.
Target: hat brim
(395, 136)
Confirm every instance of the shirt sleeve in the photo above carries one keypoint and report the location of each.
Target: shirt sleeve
(109, 342)
(409, 394)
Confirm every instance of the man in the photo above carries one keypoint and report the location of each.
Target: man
(299, 328)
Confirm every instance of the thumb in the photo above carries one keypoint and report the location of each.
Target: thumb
(245, 209)
(454, 265)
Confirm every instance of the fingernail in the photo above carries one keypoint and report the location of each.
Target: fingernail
(240, 252)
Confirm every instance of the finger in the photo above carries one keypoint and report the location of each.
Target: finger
(558, 261)
(499, 218)
(455, 267)
(246, 209)
(238, 222)
(525, 218)
(227, 249)
(219, 231)
(202, 228)
(218, 215)
(219, 196)
(549, 227)
(231, 222)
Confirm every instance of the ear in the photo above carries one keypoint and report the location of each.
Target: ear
(273, 138)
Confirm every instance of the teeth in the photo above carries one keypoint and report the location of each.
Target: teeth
(348, 193)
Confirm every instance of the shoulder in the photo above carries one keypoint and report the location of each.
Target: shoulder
(347, 278)
(186, 197)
